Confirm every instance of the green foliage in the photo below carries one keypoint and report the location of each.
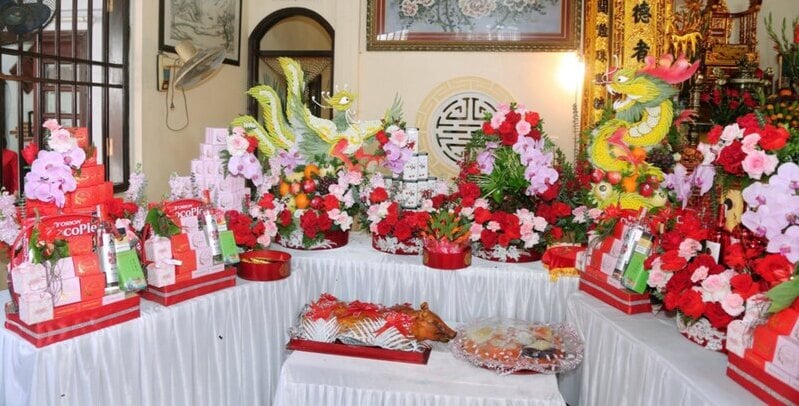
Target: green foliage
(446, 225)
(42, 253)
(161, 224)
(784, 294)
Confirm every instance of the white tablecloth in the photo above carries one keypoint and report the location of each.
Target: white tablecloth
(309, 379)
(226, 348)
(643, 360)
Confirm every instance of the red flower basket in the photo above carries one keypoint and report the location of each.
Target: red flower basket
(512, 254)
(391, 245)
(332, 240)
(264, 265)
(703, 334)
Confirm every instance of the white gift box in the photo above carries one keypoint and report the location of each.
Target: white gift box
(158, 249)
(68, 292)
(197, 240)
(65, 268)
(409, 172)
(196, 167)
(739, 337)
(160, 274)
(422, 166)
(216, 136)
(413, 137)
(205, 258)
(190, 223)
(212, 167)
(29, 278)
(35, 307)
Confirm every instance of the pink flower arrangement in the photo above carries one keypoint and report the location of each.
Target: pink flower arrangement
(242, 160)
(746, 147)
(773, 211)
(50, 177)
(396, 147)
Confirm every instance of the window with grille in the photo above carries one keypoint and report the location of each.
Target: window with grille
(74, 70)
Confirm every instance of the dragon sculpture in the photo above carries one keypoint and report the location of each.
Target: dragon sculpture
(644, 116)
(342, 138)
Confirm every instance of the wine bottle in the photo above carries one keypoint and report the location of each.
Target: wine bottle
(634, 232)
(106, 249)
(719, 238)
(211, 227)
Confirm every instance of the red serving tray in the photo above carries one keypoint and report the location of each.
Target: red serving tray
(359, 351)
(620, 298)
(757, 381)
(73, 325)
(182, 291)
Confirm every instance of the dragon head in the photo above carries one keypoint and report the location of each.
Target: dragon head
(648, 86)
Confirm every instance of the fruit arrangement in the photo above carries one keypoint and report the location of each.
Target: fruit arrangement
(316, 200)
(783, 110)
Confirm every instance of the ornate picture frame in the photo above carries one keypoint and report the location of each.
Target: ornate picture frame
(206, 23)
(473, 25)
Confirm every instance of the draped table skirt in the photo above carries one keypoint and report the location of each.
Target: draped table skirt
(227, 348)
(642, 359)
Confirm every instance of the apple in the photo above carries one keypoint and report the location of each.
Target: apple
(646, 190)
(614, 177)
(317, 202)
(652, 180)
(309, 186)
(295, 188)
(597, 175)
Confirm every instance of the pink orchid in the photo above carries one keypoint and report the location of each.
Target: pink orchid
(786, 243)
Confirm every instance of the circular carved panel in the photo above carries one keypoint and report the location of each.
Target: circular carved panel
(454, 120)
(449, 114)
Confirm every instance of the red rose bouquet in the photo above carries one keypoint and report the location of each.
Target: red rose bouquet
(727, 104)
(256, 228)
(707, 294)
(394, 230)
(746, 148)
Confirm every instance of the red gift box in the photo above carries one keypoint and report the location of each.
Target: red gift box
(447, 261)
(781, 350)
(80, 245)
(106, 192)
(86, 264)
(750, 372)
(90, 175)
(188, 289)
(86, 196)
(188, 261)
(92, 286)
(613, 293)
(61, 311)
(785, 322)
(81, 135)
(180, 243)
(78, 323)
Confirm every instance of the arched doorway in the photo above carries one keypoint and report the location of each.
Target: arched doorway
(298, 33)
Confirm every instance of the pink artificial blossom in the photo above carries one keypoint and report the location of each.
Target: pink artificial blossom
(758, 163)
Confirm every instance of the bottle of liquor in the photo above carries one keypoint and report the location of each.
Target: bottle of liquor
(105, 243)
(719, 238)
(211, 227)
(635, 231)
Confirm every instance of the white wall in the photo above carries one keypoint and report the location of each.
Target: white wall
(779, 9)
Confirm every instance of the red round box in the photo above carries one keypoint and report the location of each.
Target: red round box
(447, 261)
(278, 267)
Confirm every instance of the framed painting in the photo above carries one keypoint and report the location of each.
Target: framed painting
(473, 25)
(206, 23)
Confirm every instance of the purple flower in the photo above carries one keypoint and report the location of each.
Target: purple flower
(246, 165)
(49, 179)
(485, 161)
(396, 157)
(766, 221)
(680, 183)
(786, 243)
(74, 157)
(286, 160)
(757, 194)
(787, 177)
(703, 177)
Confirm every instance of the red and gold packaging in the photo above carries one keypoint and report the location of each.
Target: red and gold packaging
(86, 264)
(81, 245)
(785, 322)
(180, 243)
(92, 286)
(90, 175)
(188, 261)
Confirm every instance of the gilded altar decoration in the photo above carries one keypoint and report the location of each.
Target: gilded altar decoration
(618, 33)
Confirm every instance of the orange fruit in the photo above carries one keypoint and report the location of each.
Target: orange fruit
(310, 171)
(302, 201)
(639, 154)
(284, 188)
(629, 184)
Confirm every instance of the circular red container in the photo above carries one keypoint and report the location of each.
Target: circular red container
(278, 267)
(447, 261)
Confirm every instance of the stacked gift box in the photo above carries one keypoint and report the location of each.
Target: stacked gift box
(412, 184)
(208, 171)
(69, 297)
(92, 187)
(599, 271)
(764, 353)
(183, 266)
